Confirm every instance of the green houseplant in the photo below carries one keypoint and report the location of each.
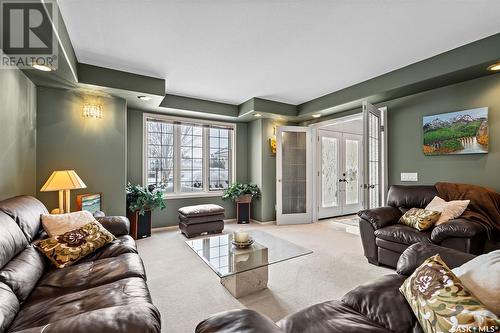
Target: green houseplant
(142, 199)
(239, 192)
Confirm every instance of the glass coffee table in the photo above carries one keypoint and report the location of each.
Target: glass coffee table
(244, 271)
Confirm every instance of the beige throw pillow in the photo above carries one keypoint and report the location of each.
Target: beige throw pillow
(449, 209)
(481, 276)
(58, 224)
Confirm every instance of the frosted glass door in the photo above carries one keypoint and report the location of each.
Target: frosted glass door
(293, 175)
(352, 158)
(372, 154)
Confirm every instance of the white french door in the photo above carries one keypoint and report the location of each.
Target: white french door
(293, 175)
(339, 173)
(375, 155)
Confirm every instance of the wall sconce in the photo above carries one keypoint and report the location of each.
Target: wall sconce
(92, 111)
(272, 141)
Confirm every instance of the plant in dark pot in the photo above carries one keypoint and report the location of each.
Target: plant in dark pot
(242, 194)
(141, 201)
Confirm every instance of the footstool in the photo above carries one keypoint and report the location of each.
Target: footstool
(200, 219)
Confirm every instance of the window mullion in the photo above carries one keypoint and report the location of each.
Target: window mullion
(206, 159)
(177, 158)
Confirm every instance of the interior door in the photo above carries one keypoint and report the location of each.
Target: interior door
(329, 173)
(339, 179)
(352, 157)
(293, 175)
(372, 155)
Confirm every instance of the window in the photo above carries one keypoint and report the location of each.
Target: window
(186, 157)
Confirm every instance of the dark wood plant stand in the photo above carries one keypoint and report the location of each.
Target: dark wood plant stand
(243, 209)
(140, 225)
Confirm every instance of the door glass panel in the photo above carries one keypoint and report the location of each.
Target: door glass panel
(329, 172)
(294, 172)
(373, 160)
(352, 171)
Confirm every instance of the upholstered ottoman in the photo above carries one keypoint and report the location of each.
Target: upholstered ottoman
(200, 219)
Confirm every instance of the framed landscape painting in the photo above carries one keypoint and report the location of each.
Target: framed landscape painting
(461, 132)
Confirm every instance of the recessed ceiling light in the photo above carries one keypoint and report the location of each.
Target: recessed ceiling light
(494, 67)
(257, 115)
(43, 68)
(316, 115)
(144, 98)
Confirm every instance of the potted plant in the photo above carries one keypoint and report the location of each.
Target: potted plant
(242, 194)
(141, 201)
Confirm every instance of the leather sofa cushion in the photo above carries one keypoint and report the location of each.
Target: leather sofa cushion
(393, 246)
(87, 275)
(461, 227)
(9, 306)
(143, 318)
(117, 225)
(26, 211)
(12, 240)
(23, 272)
(131, 292)
(329, 317)
(406, 197)
(403, 234)
(121, 245)
(380, 301)
(236, 321)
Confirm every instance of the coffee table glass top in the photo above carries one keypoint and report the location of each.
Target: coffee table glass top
(226, 260)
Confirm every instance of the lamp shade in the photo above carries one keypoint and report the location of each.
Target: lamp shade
(63, 180)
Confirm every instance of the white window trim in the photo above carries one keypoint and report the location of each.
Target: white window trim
(177, 194)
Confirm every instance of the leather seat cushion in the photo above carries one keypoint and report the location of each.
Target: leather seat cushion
(26, 211)
(329, 317)
(380, 301)
(200, 219)
(87, 275)
(393, 246)
(12, 240)
(121, 245)
(23, 272)
(403, 234)
(201, 210)
(131, 292)
(9, 306)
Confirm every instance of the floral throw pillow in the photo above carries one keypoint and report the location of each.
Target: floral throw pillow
(66, 249)
(442, 304)
(420, 219)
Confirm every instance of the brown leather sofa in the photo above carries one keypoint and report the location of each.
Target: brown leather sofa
(384, 239)
(376, 307)
(104, 292)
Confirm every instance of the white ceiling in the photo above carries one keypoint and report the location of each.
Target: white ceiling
(285, 50)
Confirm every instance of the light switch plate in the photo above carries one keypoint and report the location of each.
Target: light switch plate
(409, 177)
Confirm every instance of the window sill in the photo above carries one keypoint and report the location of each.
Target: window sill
(172, 196)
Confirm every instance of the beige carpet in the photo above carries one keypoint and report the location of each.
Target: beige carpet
(186, 290)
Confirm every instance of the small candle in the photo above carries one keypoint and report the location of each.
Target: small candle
(241, 236)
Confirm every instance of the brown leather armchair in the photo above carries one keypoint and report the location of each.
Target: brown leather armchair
(384, 239)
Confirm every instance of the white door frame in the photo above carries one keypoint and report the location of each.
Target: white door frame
(297, 218)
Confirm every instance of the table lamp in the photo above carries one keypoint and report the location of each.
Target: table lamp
(63, 181)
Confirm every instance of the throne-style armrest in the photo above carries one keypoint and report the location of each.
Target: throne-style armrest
(461, 228)
(417, 253)
(236, 321)
(380, 217)
(117, 225)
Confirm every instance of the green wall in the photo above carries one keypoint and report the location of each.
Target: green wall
(94, 148)
(263, 167)
(405, 134)
(17, 134)
(169, 216)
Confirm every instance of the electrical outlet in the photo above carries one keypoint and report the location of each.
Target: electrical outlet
(409, 176)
